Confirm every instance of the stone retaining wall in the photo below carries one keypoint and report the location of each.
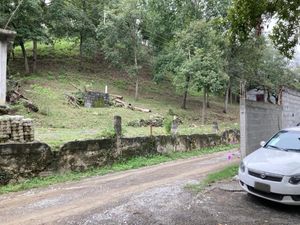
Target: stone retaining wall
(21, 161)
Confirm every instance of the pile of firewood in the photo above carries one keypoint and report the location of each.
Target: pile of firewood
(119, 102)
(14, 96)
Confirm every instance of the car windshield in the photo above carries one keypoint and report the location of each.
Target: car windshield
(285, 140)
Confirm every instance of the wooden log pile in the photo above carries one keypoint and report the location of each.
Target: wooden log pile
(14, 96)
(16, 129)
(119, 102)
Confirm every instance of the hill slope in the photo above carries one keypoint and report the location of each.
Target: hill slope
(59, 71)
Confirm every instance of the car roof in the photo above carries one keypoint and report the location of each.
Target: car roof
(293, 129)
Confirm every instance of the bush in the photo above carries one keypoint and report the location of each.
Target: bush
(168, 124)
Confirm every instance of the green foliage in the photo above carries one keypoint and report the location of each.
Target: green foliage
(167, 123)
(163, 19)
(247, 17)
(28, 21)
(133, 163)
(194, 54)
(120, 37)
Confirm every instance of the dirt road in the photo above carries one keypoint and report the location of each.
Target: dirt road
(100, 200)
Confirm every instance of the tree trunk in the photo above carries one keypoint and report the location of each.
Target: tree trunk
(186, 88)
(204, 106)
(25, 57)
(207, 100)
(81, 47)
(34, 54)
(82, 37)
(136, 97)
(231, 96)
(227, 98)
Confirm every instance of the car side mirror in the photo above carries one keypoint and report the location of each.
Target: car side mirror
(262, 143)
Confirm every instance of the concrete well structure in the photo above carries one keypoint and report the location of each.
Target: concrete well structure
(5, 37)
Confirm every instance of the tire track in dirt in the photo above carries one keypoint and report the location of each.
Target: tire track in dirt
(46, 205)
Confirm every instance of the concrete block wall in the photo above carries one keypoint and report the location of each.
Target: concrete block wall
(259, 121)
(291, 108)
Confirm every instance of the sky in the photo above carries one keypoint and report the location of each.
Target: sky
(295, 62)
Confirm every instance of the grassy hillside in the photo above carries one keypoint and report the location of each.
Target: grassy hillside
(57, 122)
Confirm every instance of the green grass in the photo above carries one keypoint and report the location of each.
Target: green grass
(133, 163)
(223, 174)
(57, 122)
(58, 49)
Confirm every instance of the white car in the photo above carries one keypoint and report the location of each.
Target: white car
(273, 171)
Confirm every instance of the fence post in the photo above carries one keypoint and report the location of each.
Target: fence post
(118, 126)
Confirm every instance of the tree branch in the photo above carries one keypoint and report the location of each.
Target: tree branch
(13, 13)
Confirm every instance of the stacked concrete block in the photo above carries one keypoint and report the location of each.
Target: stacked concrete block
(5, 129)
(28, 130)
(17, 134)
(16, 129)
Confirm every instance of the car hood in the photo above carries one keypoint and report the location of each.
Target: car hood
(274, 161)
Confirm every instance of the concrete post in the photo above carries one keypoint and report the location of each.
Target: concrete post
(243, 119)
(5, 37)
(118, 126)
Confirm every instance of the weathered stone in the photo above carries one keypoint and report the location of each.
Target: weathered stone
(139, 146)
(81, 155)
(118, 126)
(95, 99)
(23, 160)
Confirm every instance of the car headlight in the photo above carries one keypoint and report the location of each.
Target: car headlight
(242, 167)
(295, 179)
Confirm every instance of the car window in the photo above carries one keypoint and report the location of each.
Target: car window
(285, 140)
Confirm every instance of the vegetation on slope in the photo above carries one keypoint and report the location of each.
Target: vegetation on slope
(57, 122)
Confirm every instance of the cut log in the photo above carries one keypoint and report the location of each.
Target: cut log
(119, 102)
(112, 96)
(135, 108)
(30, 106)
(72, 100)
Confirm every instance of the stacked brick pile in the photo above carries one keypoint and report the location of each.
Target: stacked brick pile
(28, 130)
(16, 129)
(5, 129)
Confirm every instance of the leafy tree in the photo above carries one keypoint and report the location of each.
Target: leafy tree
(121, 38)
(28, 22)
(194, 60)
(163, 19)
(248, 16)
(77, 19)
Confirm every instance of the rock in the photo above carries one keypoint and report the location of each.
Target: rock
(22, 161)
